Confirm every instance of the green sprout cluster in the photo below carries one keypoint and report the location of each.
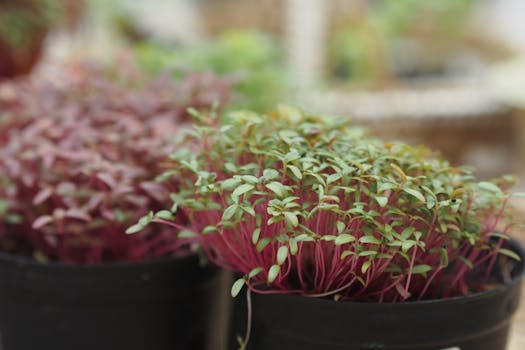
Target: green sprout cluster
(298, 203)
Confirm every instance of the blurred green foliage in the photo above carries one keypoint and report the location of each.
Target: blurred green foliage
(400, 17)
(22, 22)
(251, 58)
(373, 44)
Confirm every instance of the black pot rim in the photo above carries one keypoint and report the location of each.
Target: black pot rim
(515, 245)
(25, 260)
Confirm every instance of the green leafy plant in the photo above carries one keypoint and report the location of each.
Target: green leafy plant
(398, 37)
(78, 157)
(303, 204)
(251, 58)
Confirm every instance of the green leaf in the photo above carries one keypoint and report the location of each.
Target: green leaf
(255, 272)
(407, 245)
(367, 253)
(14, 219)
(4, 206)
(443, 258)
(510, 254)
(347, 253)
(386, 186)
(273, 272)
(250, 179)
(282, 254)
(366, 266)
(230, 184)
(229, 212)
(248, 209)
(382, 201)
(186, 234)
(293, 245)
(340, 226)
(295, 170)
(209, 229)
(230, 167)
(407, 232)
(134, 229)
(369, 239)
(431, 202)
(225, 128)
(333, 178)
(146, 219)
(344, 238)
(489, 186)
(270, 174)
(237, 286)
(276, 187)
(415, 193)
(255, 235)
(291, 156)
(274, 219)
(242, 189)
(291, 218)
(263, 243)
(164, 214)
(328, 238)
(421, 269)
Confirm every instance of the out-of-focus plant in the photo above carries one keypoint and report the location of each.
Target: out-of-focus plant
(251, 58)
(23, 27)
(357, 53)
(398, 37)
(78, 157)
(303, 204)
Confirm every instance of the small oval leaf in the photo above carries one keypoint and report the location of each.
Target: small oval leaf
(282, 254)
(273, 272)
(237, 287)
(344, 238)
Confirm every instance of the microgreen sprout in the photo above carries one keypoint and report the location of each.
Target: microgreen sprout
(297, 203)
(78, 159)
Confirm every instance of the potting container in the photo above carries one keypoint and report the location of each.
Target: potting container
(478, 321)
(164, 304)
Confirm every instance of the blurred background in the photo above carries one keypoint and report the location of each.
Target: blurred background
(446, 73)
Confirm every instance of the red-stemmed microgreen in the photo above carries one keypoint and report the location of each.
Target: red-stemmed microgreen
(78, 158)
(297, 203)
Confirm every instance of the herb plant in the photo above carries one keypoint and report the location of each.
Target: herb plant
(304, 204)
(250, 58)
(78, 158)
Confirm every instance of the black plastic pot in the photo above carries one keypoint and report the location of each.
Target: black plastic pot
(156, 305)
(475, 322)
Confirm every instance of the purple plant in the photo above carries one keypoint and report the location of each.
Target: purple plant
(78, 158)
(302, 204)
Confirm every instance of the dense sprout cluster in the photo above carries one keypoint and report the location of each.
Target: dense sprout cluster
(77, 159)
(303, 204)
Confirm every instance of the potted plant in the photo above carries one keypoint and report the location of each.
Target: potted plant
(24, 25)
(347, 242)
(78, 158)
